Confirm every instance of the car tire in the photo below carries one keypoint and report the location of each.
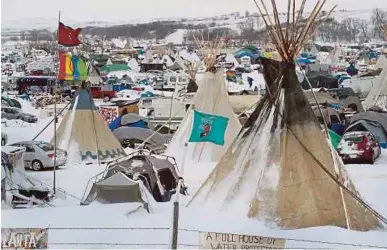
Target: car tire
(372, 160)
(2, 142)
(36, 165)
(106, 98)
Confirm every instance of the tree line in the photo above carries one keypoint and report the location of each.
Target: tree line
(250, 29)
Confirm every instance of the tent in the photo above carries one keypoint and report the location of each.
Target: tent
(133, 64)
(378, 93)
(93, 75)
(211, 98)
(157, 173)
(114, 67)
(374, 122)
(84, 133)
(129, 120)
(276, 170)
(15, 179)
(138, 135)
(117, 188)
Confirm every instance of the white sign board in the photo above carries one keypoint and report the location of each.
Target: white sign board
(209, 240)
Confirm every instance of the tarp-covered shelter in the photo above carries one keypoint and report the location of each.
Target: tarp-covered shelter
(14, 178)
(322, 98)
(114, 67)
(129, 120)
(374, 122)
(157, 173)
(138, 135)
(319, 80)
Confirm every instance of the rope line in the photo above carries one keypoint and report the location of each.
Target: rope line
(198, 231)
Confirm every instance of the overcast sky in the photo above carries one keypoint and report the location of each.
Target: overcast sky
(125, 10)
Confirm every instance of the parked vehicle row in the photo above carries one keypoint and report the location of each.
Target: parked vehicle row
(12, 113)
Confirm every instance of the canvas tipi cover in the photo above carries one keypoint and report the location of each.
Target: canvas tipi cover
(378, 93)
(84, 133)
(211, 98)
(281, 169)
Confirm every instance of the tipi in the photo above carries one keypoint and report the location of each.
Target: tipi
(281, 169)
(84, 133)
(211, 98)
(378, 93)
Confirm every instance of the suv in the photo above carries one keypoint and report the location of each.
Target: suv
(359, 146)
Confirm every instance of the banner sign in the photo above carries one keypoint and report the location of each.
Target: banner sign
(24, 238)
(209, 240)
(109, 114)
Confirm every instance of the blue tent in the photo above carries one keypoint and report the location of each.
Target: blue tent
(128, 120)
(303, 60)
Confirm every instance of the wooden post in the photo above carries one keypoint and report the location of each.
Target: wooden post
(176, 211)
(175, 228)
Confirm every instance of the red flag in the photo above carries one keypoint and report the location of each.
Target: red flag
(68, 36)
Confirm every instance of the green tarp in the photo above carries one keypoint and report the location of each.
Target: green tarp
(335, 138)
(114, 67)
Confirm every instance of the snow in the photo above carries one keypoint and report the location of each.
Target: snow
(126, 223)
(176, 37)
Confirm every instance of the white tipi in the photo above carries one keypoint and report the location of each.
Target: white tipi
(378, 93)
(281, 168)
(84, 133)
(211, 98)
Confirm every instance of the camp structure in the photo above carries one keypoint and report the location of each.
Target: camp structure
(84, 133)
(281, 168)
(378, 93)
(93, 76)
(211, 98)
(17, 188)
(117, 188)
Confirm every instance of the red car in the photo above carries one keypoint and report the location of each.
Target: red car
(359, 146)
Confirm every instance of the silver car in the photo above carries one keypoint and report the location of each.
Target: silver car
(4, 139)
(12, 113)
(40, 154)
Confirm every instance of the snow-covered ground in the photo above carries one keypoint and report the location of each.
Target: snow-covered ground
(128, 226)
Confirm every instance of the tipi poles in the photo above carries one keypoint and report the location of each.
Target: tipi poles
(337, 170)
(56, 118)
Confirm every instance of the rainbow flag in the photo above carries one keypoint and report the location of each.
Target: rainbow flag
(71, 67)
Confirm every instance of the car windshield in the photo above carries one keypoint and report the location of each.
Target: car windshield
(16, 110)
(46, 146)
(354, 139)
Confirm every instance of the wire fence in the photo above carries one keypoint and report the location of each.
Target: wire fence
(193, 238)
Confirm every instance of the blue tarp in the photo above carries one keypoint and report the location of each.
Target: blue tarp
(304, 61)
(117, 123)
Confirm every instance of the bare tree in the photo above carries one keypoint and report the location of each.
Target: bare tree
(364, 29)
(249, 28)
(379, 17)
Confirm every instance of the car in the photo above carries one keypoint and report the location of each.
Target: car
(40, 155)
(4, 139)
(359, 146)
(12, 113)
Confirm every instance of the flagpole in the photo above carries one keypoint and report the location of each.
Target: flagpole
(55, 117)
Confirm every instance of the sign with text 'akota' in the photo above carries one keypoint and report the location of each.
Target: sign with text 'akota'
(210, 240)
